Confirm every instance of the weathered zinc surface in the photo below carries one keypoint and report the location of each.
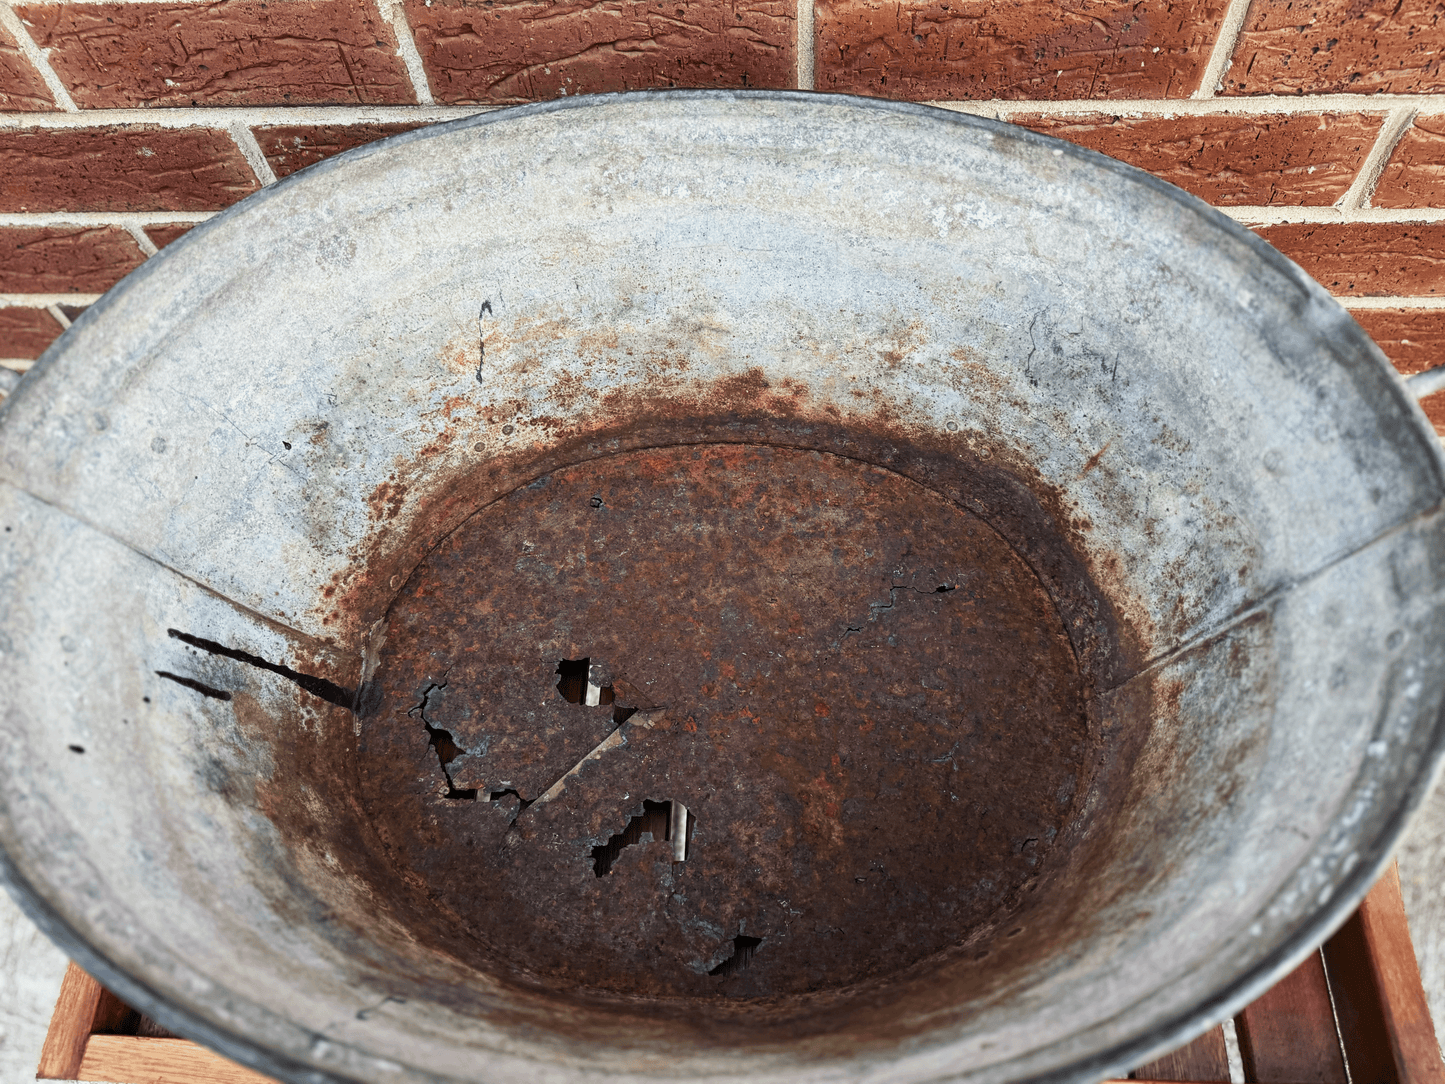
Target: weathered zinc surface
(1042, 604)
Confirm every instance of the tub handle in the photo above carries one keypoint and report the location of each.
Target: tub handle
(1426, 383)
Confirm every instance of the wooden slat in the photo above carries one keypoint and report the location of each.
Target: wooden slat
(113, 1016)
(1407, 1012)
(1205, 1060)
(1383, 1014)
(1357, 1003)
(1288, 1036)
(70, 1026)
(149, 1029)
(130, 1059)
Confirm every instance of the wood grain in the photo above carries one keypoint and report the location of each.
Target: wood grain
(1288, 1035)
(113, 1016)
(1407, 1014)
(1205, 1060)
(1384, 1019)
(129, 1059)
(70, 1026)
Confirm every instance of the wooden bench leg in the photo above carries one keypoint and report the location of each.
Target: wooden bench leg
(1379, 998)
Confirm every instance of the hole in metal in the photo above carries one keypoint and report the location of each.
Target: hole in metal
(572, 679)
(743, 949)
(659, 822)
(574, 683)
(445, 745)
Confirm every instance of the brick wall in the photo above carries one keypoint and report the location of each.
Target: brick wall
(1319, 123)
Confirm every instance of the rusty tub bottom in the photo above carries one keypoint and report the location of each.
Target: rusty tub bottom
(723, 721)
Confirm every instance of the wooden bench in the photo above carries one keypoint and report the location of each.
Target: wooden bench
(1353, 1013)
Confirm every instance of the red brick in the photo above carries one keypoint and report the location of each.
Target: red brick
(26, 332)
(21, 87)
(1434, 407)
(1276, 159)
(138, 168)
(167, 232)
(1334, 46)
(1367, 259)
(1413, 339)
(234, 52)
(521, 50)
(294, 146)
(1415, 174)
(63, 260)
(965, 49)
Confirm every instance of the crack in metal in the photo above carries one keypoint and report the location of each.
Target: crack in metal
(442, 741)
(645, 720)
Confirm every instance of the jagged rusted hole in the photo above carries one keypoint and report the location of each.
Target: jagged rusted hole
(653, 821)
(572, 679)
(743, 949)
(445, 745)
(447, 751)
(574, 683)
(499, 795)
(442, 741)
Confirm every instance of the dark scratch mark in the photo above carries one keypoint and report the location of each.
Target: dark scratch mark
(329, 691)
(192, 683)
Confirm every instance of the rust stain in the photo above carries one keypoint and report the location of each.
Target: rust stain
(386, 500)
(514, 444)
(1094, 459)
(708, 546)
(665, 568)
